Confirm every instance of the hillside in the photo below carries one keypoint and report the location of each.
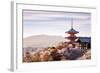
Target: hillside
(42, 41)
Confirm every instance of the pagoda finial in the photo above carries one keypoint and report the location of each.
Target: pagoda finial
(72, 23)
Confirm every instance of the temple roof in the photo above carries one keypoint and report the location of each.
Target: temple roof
(85, 39)
(72, 31)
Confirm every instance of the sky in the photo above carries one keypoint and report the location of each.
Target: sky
(55, 23)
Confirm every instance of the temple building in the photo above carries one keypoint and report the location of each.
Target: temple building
(83, 42)
(72, 34)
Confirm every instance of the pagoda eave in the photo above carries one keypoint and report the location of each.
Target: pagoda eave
(71, 32)
(70, 37)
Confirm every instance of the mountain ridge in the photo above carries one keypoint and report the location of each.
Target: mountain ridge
(42, 40)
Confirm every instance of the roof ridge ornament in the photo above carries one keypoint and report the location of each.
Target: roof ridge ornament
(72, 23)
(72, 30)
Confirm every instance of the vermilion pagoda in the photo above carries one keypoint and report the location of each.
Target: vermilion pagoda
(72, 34)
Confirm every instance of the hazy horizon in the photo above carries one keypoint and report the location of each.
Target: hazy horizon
(53, 35)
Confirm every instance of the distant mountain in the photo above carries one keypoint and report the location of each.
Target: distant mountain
(42, 41)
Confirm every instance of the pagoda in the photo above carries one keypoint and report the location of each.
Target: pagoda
(72, 34)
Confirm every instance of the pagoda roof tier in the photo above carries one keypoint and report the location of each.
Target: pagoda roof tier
(71, 42)
(73, 31)
(71, 37)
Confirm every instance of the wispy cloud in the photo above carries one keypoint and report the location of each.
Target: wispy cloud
(52, 16)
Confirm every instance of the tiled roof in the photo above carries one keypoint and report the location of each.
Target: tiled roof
(85, 39)
(72, 31)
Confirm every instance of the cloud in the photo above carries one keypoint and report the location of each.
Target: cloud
(53, 16)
